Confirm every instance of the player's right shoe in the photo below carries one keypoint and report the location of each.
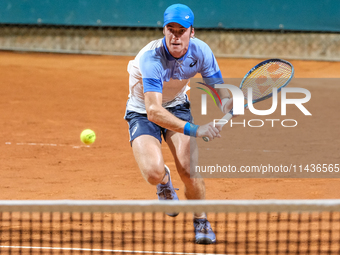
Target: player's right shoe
(167, 191)
(203, 232)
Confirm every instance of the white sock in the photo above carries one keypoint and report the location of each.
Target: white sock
(166, 174)
(200, 216)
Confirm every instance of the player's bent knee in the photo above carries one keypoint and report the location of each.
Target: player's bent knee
(154, 178)
(154, 175)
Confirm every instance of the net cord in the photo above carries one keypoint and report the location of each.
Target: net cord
(135, 206)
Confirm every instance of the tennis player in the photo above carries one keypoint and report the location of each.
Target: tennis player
(158, 105)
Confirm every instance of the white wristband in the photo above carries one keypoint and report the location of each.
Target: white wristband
(224, 101)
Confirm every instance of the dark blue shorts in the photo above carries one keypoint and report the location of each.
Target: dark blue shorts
(140, 125)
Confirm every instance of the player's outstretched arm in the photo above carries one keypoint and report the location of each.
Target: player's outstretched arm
(157, 114)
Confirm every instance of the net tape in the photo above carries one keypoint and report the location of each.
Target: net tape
(131, 206)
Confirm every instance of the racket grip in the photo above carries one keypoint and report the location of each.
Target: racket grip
(222, 122)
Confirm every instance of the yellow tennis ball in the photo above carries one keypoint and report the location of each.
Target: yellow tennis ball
(88, 136)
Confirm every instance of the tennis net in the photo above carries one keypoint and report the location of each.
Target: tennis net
(142, 227)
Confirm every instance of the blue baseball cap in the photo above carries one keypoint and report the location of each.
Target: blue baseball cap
(180, 14)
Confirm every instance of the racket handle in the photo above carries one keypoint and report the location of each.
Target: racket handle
(222, 122)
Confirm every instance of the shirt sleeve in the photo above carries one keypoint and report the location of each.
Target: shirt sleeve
(151, 73)
(210, 70)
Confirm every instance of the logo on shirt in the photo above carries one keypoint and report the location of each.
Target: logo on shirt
(193, 63)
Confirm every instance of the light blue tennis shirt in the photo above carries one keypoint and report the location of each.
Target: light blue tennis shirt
(155, 70)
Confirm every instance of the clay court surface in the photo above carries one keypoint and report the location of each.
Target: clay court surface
(46, 100)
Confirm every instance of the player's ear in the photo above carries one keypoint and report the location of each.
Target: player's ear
(192, 33)
(163, 30)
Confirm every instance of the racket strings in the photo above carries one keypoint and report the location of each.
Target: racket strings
(266, 77)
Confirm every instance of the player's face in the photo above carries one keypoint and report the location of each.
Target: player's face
(177, 38)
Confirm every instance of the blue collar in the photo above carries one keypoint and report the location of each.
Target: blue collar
(169, 56)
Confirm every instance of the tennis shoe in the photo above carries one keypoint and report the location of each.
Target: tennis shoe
(167, 191)
(203, 232)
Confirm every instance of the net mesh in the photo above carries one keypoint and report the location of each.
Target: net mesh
(131, 227)
(263, 79)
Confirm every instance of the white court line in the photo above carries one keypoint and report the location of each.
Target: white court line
(259, 150)
(103, 250)
(48, 144)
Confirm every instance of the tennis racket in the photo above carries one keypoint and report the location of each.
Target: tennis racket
(262, 78)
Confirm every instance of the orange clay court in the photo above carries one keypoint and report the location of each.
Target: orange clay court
(48, 99)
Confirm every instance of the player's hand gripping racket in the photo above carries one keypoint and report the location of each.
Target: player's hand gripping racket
(262, 78)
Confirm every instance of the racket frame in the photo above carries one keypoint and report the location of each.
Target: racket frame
(261, 64)
(230, 114)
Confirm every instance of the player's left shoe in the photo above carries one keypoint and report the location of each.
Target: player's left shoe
(203, 232)
(167, 192)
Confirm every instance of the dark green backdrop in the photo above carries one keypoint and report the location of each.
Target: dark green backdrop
(308, 15)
